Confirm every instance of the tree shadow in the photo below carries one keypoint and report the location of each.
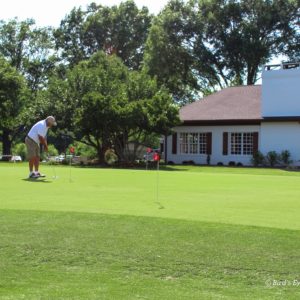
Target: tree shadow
(40, 180)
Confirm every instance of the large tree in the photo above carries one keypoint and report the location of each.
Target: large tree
(120, 30)
(28, 49)
(200, 45)
(167, 54)
(105, 105)
(245, 35)
(70, 37)
(12, 103)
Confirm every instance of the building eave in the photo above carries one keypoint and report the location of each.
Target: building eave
(239, 121)
(220, 122)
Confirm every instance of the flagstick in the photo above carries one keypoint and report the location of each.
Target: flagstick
(70, 168)
(157, 181)
(157, 186)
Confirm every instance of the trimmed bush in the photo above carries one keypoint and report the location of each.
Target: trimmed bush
(284, 157)
(208, 159)
(231, 163)
(258, 159)
(272, 158)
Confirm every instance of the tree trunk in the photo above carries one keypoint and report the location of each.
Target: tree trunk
(6, 142)
(101, 152)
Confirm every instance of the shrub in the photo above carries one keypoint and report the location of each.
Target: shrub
(239, 164)
(82, 149)
(20, 149)
(110, 157)
(188, 162)
(170, 162)
(257, 159)
(272, 158)
(52, 151)
(208, 159)
(220, 164)
(284, 157)
(231, 163)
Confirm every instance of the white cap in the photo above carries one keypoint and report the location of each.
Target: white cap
(51, 120)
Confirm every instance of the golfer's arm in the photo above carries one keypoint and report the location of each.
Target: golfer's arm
(43, 141)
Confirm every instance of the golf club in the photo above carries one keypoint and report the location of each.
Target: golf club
(52, 167)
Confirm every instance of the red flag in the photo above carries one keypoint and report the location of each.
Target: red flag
(149, 150)
(156, 157)
(72, 150)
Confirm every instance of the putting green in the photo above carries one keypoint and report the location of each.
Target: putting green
(206, 233)
(268, 198)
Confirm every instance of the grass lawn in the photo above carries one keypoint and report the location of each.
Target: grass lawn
(207, 233)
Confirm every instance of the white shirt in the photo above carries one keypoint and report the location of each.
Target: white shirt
(40, 128)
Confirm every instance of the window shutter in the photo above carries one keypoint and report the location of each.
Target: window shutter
(174, 143)
(225, 143)
(208, 143)
(255, 142)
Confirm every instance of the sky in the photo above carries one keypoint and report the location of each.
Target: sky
(51, 12)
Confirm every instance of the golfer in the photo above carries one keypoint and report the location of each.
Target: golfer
(35, 137)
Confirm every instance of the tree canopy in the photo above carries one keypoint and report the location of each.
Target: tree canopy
(108, 105)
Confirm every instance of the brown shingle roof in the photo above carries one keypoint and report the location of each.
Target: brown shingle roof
(233, 103)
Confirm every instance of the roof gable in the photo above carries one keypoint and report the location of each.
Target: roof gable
(233, 103)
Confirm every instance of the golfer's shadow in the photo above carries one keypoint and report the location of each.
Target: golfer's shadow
(36, 180)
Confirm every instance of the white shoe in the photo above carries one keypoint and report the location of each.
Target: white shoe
(33, 176)
(38, 174)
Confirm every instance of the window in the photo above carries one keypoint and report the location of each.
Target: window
(202, 143)
(193, 143)
(248, 143)
(236, 143)
(183, 143)
(241, 143)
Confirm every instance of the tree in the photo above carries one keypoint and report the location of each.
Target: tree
(28, 49)
(12, 103)
(70, 37)
(149, 111)
(199, 46)
(168, 54)
(245, 35)
(120, 30)
(105, 104)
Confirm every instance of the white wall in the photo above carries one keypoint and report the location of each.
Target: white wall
(279, 136)
(281, 93)
(217, 145)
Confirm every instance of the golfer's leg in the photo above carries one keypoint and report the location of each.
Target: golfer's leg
(31, 163)
(36, 163)
(30, 154)
(36, 157)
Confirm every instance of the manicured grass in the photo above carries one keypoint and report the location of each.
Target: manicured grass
(213, 233)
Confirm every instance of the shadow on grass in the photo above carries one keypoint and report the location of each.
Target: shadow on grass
(37, 180)
(136, 168)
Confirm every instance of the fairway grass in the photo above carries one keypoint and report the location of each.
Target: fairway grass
(207, 233)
